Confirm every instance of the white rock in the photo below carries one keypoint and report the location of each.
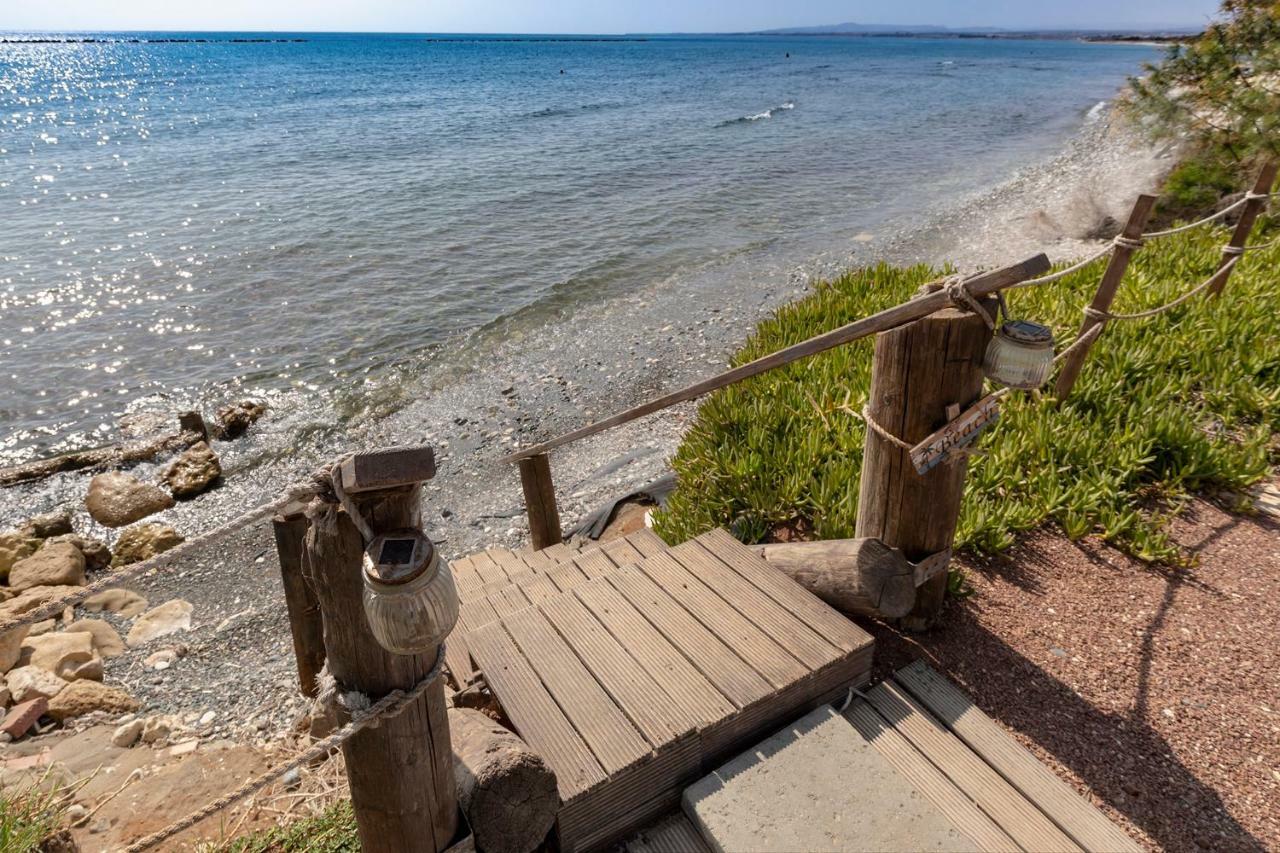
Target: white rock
(156, 728)
(127, 735)
(169, 618)
(28, 682)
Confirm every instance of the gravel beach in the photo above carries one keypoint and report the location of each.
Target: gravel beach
(525, 381)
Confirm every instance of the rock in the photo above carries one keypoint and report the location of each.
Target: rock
(30, 599)
(11, 647)
(116, 499)
(5, 695)
(234, 421)
(128, 734)
(160, 659)
(44, 626)
(57, 564)
(125, 602)
(193, 472)
(169, 618)
(76, 813)
(106, 642)
(14, 546)
(144, 541)
(58, 653)
(92, 669)
(26, 682)
(23, 716)
(97, 555)
(48, 524)
(83, 697)
(156, 729)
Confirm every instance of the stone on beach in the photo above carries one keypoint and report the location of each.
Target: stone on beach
(56, 564)
(193, 472)
(97, 555)
(106, 641)
(82, 697)
(125, 602)
(14, 546)
(23, 716)
(234, 421)
(26, 682)
(48, 524)
(144, 541)
(127, 735)
(116, 499)
(168, 618)
(58, 653)
(30, 599)
(11, 646)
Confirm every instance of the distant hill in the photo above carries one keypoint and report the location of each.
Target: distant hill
(871, 29)
(855, 29)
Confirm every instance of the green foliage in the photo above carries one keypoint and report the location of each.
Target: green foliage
(30, 814)
(1221, 90)
(1166, 406)
(332, 831)
(1196, 185)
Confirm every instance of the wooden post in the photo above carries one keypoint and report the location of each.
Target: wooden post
(1106, 293)
(1248, 216)
(540, 501)
(401, 771)
(304, 611)
(919, 371)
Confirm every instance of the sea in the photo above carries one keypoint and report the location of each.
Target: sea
(188, 219)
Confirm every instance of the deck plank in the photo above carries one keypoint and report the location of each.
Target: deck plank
(687, 687)
(566, 576)
(820, 616)
(1073, 814)
(609, 734)
(594, 565)
(646, 542)
(754, 646)
(622, 552)
(643, 700)
(673, 834)
(508, 600)
(1016, 815)
(534, 713)
(931, 782)
(477, 613)
(731, 675)
(792, 634)
(489, 570)
(539, 588)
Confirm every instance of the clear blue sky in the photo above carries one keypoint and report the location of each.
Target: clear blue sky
(587, 16)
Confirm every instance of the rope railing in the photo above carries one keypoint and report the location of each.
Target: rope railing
(1222, 273)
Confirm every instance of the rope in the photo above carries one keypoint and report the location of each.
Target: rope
(1096, 314)
(1063, 273)
(366, 532)
(958, 292)
(291, 495)
(1240, 250)
(387, 707)
(1151, 235)
(879, 430)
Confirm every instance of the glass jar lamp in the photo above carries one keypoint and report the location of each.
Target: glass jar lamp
(409, 596)
(1020, 355)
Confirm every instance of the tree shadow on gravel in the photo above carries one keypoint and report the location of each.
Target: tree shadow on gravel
(1121, 759)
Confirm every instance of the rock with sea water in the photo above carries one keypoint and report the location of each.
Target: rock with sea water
(97, 556)
(195, 471)
(234, 421)
(48, 524)
(116, 499)
(144, 541)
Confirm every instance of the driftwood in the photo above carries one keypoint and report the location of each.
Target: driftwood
(855, 575)
(505, 789)
(192, 430)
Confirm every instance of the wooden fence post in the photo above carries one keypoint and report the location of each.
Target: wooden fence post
(1106, 294)
(919, 371)
(300, 602)
(401, 771)
(540, 501)
(1248, 216)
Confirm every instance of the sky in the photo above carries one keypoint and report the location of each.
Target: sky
(588, 16)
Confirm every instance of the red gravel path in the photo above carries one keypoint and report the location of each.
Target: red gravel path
(1154, 691)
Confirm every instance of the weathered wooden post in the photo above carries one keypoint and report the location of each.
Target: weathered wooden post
(1106, 293)
(304, 610)
(401, 771)
(921, 374)
(1248, 217)
(540, 501)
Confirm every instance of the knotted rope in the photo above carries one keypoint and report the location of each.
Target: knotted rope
(366, 532)
(387, 707)
(958, 292)
(291, 495)
(1097, 314)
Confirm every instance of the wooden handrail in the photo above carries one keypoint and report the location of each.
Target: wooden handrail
(979, 285)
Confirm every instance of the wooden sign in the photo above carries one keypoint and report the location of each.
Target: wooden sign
(387, 469)
(959, 433)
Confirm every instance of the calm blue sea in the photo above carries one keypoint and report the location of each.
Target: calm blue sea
(186, 221)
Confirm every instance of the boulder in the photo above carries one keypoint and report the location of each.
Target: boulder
(144, 541)
(169, 618)
(234, 421)
(30, 599)
(5, 695)
(56, 564)
(48, 524)
(125, 602)
(28, 681)
(14, 546)
(44, 626)
(127, 735)
(193, 472)
(11, 646)
(116, 499)
(58, 653)
(23, 716)
(92, 669)
(156, 729)
(106, 642)
(83, 697)
(97, 556)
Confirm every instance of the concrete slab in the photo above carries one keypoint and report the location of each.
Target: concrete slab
(817, 786)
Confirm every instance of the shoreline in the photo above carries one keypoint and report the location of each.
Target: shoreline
(604, 357)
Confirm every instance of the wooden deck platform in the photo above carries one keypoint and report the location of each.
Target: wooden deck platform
(974, 772)
(632, 677)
